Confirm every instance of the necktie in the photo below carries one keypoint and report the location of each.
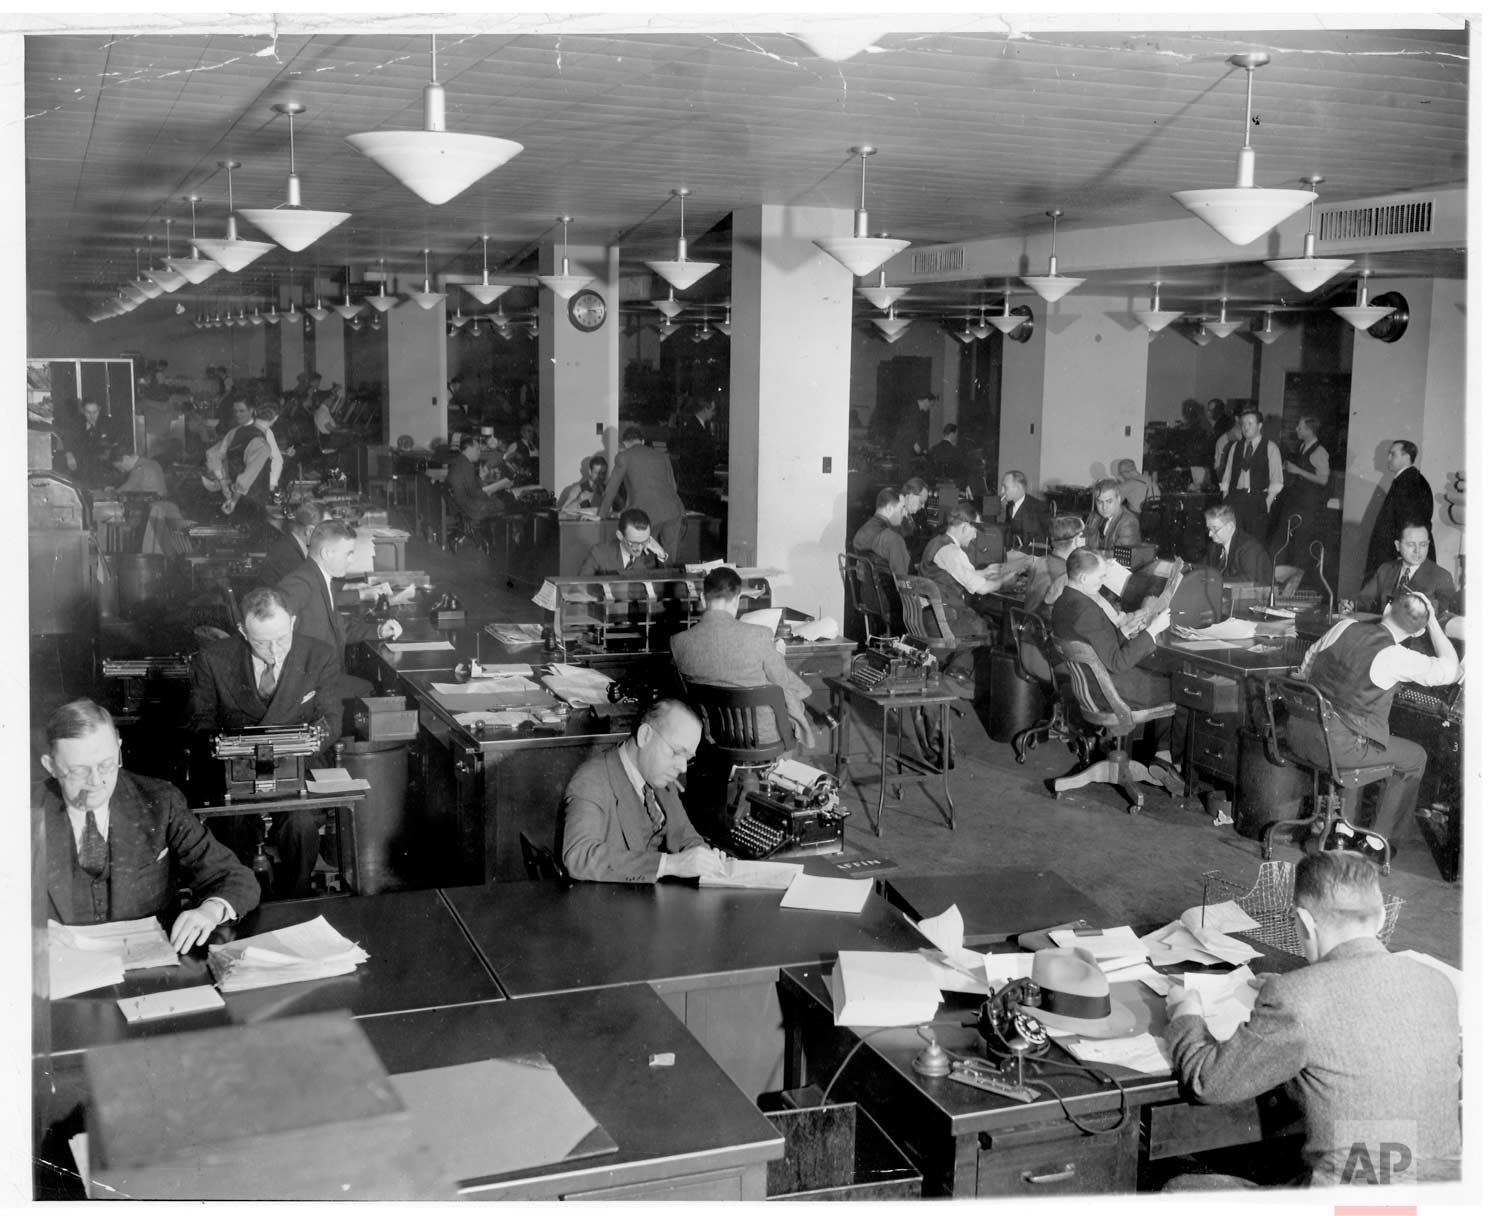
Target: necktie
(267, 683)
(93, 849)
(653, 808)
(1404, 582)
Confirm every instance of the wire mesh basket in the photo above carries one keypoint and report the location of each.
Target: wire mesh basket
(1269, 901)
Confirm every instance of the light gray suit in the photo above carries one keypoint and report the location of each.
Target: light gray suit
(728, 653)
(608, 835)
(1366, 1043)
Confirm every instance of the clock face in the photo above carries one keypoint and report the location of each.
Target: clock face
(587, 311)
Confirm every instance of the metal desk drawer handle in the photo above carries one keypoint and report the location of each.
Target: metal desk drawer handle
(1065, 1174)
(1217, 755)
(1217, 722)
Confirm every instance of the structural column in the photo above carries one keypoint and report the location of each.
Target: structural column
(789, 402)
(578, 372)
(417, 371)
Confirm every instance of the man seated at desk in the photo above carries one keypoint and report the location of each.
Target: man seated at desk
(471, 496)
(289, 549)
(119, 846)
(1112, 525)
(880, 535)
(946, 564)
(1024, 517)
(633, 551)
(1235, 552)
(1357, 665)
(142, 474)
(1049, 575)
(1366, 1043)
(728, 653)
(1412, 570)
(267, 676)
(622, 818)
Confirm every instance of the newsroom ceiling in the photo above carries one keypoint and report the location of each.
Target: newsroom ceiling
(978, 134)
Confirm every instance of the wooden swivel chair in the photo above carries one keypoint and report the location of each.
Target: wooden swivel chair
(730, 717)
(460, 527)
(925, 616)
(541, 863)
(1032, 640)
(1098, 703)
(1298, 735)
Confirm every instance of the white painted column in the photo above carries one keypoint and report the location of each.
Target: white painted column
(417, 363)
(789, 402)
(578, 373)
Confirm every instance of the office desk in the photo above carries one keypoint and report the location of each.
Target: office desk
(996, 904)
(345, 821)
(419, 958)
(684, 1131)
(713, 954)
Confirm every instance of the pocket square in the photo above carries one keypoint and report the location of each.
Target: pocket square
(160, 855)
(308, 697)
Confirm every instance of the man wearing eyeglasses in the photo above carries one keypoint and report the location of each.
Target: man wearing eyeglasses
(1235, 552)
(622, 817)
(120, 846)
(633, 551)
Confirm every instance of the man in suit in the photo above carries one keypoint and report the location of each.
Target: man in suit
(86, 443)
(622, 818)
(1049, 575)
(289, 549)
(120, 846)
(1024, 517)
(1366, 1043)
(697, 452)
(1408, 500)
(645, 474)
(1238, 555)
(308, 591)
(267, 676)
(911, 434)
(471, 496)
(1112, 524)
(724, 651)
(880, 535)
(1252, 477)
(1410, 570)
(633, 551)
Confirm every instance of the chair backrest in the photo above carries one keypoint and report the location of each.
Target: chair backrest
(1099, 701)
(540, 862)
(867, 582)
(918, 593)
(732, 718)
(1306, 745)
(1033, 642)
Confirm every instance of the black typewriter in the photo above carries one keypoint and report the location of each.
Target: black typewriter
(894, 665)
(795, 812)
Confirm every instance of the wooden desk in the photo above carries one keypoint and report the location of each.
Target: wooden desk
(684, 1131)
(996, 904)
(419, 958)
(713, 954)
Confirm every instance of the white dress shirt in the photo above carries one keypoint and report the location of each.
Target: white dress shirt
(1393, 665)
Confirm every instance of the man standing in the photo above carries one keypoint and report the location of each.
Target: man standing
(1252, 477)
(1357, 666)
(1366, 1043)
(622, 818)
(85, 446)
(727, 653)
(646, 476)
(267, 676)
(1025, 519)
(1408, 500)
(697, 451)
(946, 564)
(289, 549)
(911, 435)
(470, 495)
(633, 551)
(1307, 473)
(1112, 525)
(246, 463)
(880, 535)
(119, 847)
(1411, 570)
(1239, 556)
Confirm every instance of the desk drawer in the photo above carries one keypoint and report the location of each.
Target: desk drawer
(1072, 1165)
(1219, 727)
(1210, 694)
(1219, 756)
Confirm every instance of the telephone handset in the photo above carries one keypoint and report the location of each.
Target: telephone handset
(1006, 1028)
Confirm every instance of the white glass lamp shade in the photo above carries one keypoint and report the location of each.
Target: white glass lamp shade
(1222, 329)
(667, 329)
(349, 310)
(196, 269)
(133, 293)
(860, 255)
(893, 337)
(1361, 315)
(1200, 336)
(565, 286)
(883, 297)
(294, 228)
(982, 328)
(234, 255)
(1241, 214)
(147, 287)
(892, 326)
(436, 166)
(1007, 322)
(318, 313)
(722, 327)
(1155, 319)
(427, 298)
(679, 271)
(167, 280)
(381, 302)
(273, 317)
(486, 292)
(1051, 286)
(1308, 274)
(1269, 333)
(669, 307)
(965, 335)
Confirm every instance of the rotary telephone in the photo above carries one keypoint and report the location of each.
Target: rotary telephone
(1009, 1034)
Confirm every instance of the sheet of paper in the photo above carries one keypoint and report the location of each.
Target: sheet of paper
(1144, 972)
(140, 943)
(820, 629)
(1205, 644)
(945, 930)
(407, 595)
(814, 894)
(1117, 942)
(1227, 999)
(759, 875)
(174, 1003)
(766, 618)
(71, 969)
(410, 647)
(1142, 1053)
(546, 596)
(1174, 944)
(1226, 917)
(369, 594)
(503, 669)
(487, 687)
(514, 634)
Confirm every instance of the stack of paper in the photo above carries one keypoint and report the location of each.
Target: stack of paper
(81, 958)
(874, 989)
(488, 686)
(324, 781)
(1113, 949)
(1178, 943)
(817, 630)
(579, 686)
(514, 634)
(309, 951)
(1142, 1053)
(140, 943)
(408, 647)
(759, 875)
(1227, 999)
(816, 894)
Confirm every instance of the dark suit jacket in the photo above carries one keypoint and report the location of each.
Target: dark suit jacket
(1031, 521)
(1076, 618)
(697, 454)
(646, 476)
(1430, 579)
(607, 833)
(307, 598)
(604, 558)
(1408, 500)
(155, 846)
(1123, 529)
(726, 652)
(224, 696)
(1362, 1040)
(283, 555)
(1247, 559)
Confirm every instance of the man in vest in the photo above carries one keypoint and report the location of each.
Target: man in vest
(1307, 474)
(1357, 665)
(946, 564)
(1252, 477)
(247, 464)
(880, 535)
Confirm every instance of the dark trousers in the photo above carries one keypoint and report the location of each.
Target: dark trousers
(1398, 795)
(1251, 513)
(668, 533)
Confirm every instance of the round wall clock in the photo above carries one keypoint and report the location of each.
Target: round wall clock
(588, 311)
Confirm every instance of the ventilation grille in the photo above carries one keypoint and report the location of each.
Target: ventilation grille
(937, 261)
(1373, 223)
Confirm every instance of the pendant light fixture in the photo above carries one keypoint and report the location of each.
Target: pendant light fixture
(484, 291)
(293, 226)
(195, 269)
(349, 310)
(565, 286)
(167, 279)
(880, 295)
(1155, 318)
(1198, 335)
(1268, 333)
(891, 326)
(317, 312)
(381, 302)
(1008, 321)
(982, 328)
(723, 326)
(1308, 272)
(434, 163)
(667, 328)
(256, 319)
(232, 253)
(1051, 286)
(427, 298)
(678, 271)
(861, 253)
(148, 287)
(1362, 314)
(1243, 212)
(669, 307)
(1223, 327)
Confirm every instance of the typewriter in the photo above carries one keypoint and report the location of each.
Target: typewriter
(266, 761)
(795, 812)
(894, 665)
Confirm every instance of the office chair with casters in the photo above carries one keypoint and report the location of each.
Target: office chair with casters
(1033, 647)
(1299, 736)
(871, 594)
(926, 616)
(1097, 702)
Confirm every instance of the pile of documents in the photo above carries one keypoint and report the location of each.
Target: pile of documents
(81, 958)
(959, 969)
(512, 634)
(813, 893)
(324, 781)
(870, 988)
(1201, 935)
(312, 950)
(755, 875)
(578, 686)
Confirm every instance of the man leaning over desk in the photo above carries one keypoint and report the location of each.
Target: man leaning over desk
(633, 551)
(120, 846)
(622, 818)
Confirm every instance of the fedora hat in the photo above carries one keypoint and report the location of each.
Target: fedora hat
(1075, 996)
